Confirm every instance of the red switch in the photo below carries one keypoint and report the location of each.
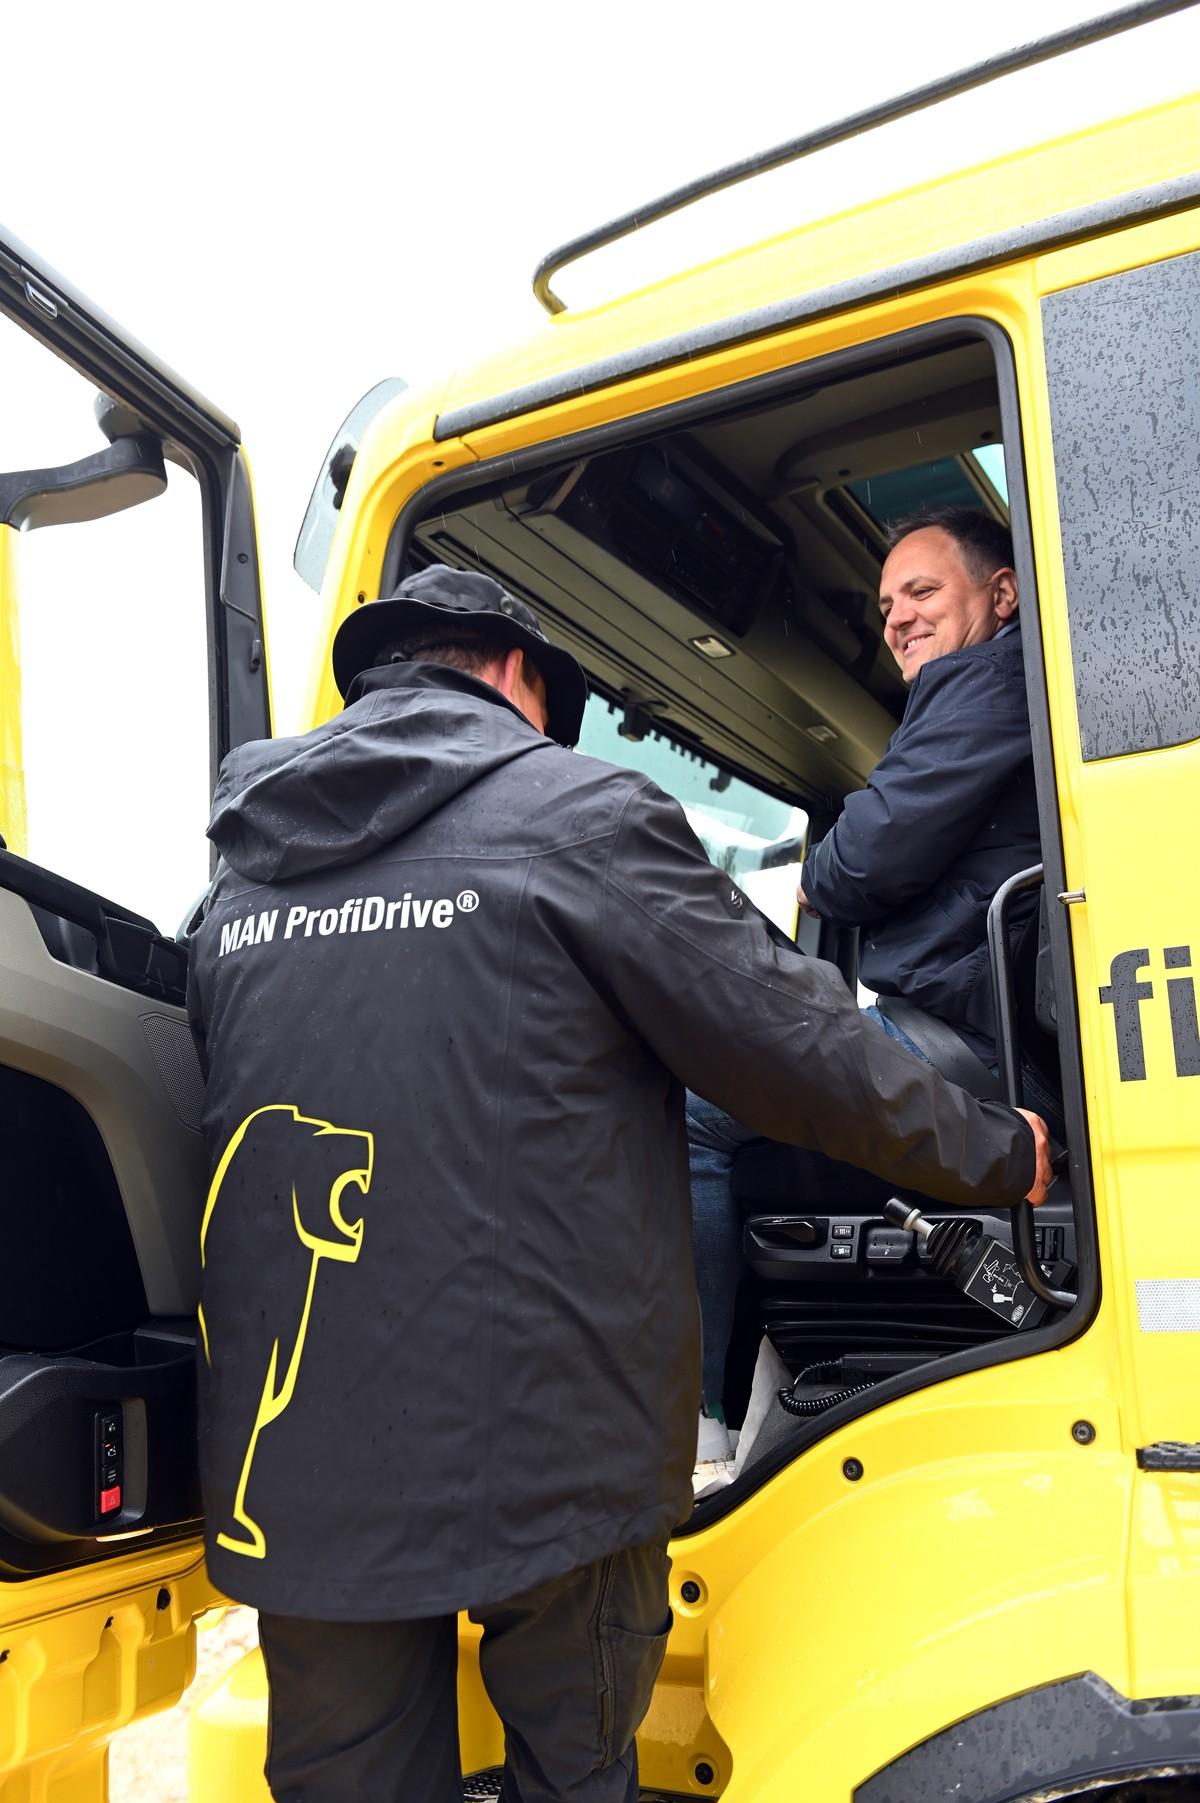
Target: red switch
(110, 1500)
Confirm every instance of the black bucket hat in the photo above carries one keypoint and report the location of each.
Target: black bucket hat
(440, 596)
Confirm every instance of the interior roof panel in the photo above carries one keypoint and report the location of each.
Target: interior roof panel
(753, 445)
(789, 675)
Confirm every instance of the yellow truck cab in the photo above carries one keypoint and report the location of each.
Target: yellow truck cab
(967, 1562)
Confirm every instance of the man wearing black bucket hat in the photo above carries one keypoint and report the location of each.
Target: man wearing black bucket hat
(450, 985)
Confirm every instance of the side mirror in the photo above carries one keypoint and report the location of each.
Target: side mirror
(129, 471)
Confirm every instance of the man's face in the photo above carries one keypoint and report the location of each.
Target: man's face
(931, 602)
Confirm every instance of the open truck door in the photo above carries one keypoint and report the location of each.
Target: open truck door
(132, 658)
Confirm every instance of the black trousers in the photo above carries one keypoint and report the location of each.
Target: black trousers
(367, 1711)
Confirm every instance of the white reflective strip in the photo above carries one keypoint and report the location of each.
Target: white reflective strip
(1168, 1304)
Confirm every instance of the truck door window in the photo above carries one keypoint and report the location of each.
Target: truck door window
(112, 659)
(756, 838)
(1121, 358)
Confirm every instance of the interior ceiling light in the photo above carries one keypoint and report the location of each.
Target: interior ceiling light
(712, 646)
(822, 734)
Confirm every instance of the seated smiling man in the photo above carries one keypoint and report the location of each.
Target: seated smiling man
(913, 861)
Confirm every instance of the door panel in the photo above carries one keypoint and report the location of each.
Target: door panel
(132, 658)
(100, 1087)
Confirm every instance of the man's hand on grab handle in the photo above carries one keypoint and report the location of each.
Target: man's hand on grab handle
(1044, 1176)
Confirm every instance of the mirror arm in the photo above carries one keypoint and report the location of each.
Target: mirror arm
(122, 475)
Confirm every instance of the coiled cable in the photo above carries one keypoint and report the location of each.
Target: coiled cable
(807, 1406)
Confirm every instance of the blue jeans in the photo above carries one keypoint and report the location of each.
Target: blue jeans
(714, 1139)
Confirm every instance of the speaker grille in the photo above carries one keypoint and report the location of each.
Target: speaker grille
(174, 1051)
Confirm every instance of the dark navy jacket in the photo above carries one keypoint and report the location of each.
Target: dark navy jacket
(948, 813)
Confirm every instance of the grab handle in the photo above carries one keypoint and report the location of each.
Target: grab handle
(1008, 1050)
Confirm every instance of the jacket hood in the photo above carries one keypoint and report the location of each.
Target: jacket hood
(418, 736)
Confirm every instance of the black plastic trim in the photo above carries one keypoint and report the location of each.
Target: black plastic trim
(1062, 953)
(247, 709)
(1170, 1455)
(1054, 1741)
(1059, 1330)
(130, 951)
(901, 278)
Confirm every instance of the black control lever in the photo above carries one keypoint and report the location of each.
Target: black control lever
(981, 1267)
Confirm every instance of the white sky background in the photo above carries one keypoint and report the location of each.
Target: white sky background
(288, 204)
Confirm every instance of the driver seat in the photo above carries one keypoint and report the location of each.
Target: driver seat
(942, 1046)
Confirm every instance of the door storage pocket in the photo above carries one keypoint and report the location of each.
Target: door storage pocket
(93, 1443)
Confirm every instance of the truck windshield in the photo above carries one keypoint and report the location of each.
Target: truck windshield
(755, 837)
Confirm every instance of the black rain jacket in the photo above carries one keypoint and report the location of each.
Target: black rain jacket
(452, 981)
(948, 814)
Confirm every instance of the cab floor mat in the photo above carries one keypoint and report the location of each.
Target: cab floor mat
(484, 1787)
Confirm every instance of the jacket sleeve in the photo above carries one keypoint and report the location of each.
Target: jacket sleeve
(960, 744)
(741, 1016)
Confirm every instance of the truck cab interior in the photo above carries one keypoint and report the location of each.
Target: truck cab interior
(716, 573)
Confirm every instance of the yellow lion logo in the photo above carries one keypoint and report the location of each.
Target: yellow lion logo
(321, 1232)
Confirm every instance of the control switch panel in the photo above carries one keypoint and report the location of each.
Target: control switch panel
(110, 1462)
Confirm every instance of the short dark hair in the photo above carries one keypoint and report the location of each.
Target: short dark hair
(985, 544)
(473, 651)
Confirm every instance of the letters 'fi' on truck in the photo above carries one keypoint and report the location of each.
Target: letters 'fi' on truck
(971, 1564)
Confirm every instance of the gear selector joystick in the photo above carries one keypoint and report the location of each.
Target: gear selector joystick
(982, 1267)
